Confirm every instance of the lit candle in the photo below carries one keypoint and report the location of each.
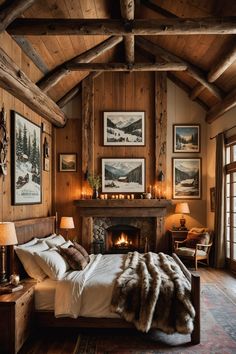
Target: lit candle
(117, 197)
(128, 196)
(82, 195)
(112, 197)
(105, 196)
(102, 196)
(132, 196)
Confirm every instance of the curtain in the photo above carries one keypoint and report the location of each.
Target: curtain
(219, 225)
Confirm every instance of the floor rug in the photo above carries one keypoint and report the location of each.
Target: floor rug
(218, 333)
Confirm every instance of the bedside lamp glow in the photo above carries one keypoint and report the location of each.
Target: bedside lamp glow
(7, 238)
(67, 223)
(182, 208)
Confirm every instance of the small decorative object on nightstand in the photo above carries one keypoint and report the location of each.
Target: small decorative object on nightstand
(16, 314)
(182, 208)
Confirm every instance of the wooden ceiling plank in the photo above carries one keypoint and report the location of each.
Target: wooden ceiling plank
(186, 88)
(222, 65)
(221, 108)
(195, 72)
(13, 80)
(158, 9)
(13, 10)
(29, 50)
(127, 67)
(127, 12)
(170, 26)
(60, 71)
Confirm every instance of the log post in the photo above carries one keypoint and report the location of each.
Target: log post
(127, 12)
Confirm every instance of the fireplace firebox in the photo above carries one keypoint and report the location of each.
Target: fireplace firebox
(122, 238)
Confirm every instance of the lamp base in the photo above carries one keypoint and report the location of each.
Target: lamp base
(182, 223)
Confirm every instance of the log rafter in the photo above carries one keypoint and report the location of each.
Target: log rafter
(62, 70)
(222, 65)
(193, 71)
(127, 67)
(11, 11)
(127, 12)
(222, 107)
(169, 26)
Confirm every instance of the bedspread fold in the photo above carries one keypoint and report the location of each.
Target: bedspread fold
(152, 292)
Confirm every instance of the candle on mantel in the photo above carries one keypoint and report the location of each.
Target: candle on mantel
(132, 196)
(105, 196)
(83, 195)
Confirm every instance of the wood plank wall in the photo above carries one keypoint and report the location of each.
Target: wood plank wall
(7, 211)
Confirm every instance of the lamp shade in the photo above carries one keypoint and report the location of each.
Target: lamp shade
(182, 208)
(67, 222)
(7, 234)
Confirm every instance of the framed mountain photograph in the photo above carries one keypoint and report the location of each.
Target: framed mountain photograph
(186, 178)
(124, 128)
(126, 175)
(26, 161)
(68, 162)
(186, 138)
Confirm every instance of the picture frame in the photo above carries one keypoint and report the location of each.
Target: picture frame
(187, 178)
(124, 128)
(213, 198)
(186, 138)
(67, 162)
(123, 175)
(26, 168)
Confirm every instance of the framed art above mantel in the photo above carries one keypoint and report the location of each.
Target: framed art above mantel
(124, 128)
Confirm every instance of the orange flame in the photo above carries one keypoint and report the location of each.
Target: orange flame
(123, 239)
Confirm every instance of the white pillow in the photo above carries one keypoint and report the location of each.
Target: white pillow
(47, 237)
(55, 241)
(26, 256)
(67, 244)
(29, 243)
(52, 263)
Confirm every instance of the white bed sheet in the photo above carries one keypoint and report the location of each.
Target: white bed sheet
(44, 295)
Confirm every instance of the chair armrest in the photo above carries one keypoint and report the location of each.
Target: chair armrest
(201, 245)
(179, 242)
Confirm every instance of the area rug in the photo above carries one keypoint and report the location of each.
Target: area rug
(218, 333)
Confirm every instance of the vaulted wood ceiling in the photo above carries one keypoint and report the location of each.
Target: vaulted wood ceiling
(208, 61)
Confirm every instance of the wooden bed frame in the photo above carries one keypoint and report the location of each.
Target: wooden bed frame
(41, 227)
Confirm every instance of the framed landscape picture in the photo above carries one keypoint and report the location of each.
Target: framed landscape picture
(186, 138)
(67, 162)
(186, 178)
(26, 161)
(126, 175)
(124, 128)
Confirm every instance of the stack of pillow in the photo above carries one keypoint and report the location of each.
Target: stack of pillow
(51, 257)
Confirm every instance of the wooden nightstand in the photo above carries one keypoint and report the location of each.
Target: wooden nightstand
(16, 314)
(176, 235)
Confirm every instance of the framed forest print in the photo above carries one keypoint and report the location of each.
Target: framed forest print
(186, 178)
(186, 138)
(125, 175)
(124, 128)
(26, 161)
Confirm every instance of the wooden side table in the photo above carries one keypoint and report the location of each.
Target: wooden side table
(176, 235)
(16, 314)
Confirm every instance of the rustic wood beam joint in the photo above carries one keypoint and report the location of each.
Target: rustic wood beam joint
(126, 67)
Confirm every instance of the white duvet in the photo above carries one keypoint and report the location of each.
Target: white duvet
(88, 293)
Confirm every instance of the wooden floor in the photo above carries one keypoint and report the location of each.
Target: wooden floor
(61, 341)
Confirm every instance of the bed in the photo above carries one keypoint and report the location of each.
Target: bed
(44, 314)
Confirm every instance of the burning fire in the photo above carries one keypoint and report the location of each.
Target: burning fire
(123, 240)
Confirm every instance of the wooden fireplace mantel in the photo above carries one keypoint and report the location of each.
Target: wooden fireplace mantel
(122, 207)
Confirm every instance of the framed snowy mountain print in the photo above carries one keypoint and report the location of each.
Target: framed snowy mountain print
(186, 138)
(124, 128)
(26, 161)
(125, 175)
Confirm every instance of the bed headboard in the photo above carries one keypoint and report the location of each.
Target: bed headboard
(26, 230)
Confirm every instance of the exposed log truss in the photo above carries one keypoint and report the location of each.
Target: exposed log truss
(127, 12)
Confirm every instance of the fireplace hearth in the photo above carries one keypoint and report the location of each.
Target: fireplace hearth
(122, 239)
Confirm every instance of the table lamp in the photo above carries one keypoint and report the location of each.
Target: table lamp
(67, 223)
(7, 238)
(182, 208)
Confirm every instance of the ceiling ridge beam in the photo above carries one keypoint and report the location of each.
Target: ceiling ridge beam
(127, 12)
(169, 26)
(127, 67)
(11, 11)
(15, 81)
(192, 70)
(52, 78)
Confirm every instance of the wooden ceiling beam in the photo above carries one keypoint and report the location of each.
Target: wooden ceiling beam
(193, 71)
(74, 91)
(196, 91)
(127, 12)
(13, 80)
(221, 108)
(127, 67)
(222, 65)
(52, 78)
(11, 11)
(169, 26)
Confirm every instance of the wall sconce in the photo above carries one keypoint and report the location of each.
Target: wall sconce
(7, 238)
(67, 223)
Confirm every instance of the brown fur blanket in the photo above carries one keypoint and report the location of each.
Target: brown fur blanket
(152, 292)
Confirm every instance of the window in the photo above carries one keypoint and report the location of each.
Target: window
(231, 202)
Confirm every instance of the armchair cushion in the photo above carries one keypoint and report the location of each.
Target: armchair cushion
(185, 251)
(194, 237)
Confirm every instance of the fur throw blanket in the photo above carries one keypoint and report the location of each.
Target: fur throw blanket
(152, 292)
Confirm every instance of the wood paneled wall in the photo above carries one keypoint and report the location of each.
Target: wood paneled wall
(9, 212)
